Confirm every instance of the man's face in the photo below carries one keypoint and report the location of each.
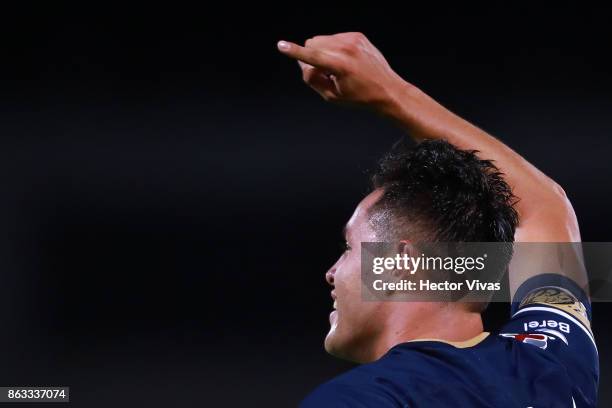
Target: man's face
(354, 322)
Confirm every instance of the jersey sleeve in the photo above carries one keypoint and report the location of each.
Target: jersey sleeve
(553, 313)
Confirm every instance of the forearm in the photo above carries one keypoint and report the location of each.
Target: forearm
(540, 198)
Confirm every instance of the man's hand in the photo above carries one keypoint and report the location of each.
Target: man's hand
(346, 68)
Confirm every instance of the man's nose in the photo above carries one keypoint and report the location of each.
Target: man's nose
(329, 275)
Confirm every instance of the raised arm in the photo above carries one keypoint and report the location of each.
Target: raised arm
(348, 68)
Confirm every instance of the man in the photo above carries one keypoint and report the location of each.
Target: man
(435, 354)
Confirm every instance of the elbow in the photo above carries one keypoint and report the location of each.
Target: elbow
(559, 192)
(551, 194)
(548, 216)
(559, 208)
(562, 202)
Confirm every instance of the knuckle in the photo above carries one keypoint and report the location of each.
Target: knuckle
(359, 40)
(312, 40)
(352, 43)
(349, 48)
(355, 37)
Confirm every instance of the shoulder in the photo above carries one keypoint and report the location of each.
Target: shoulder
(553, 313)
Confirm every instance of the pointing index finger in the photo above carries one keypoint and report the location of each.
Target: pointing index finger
(308, 55)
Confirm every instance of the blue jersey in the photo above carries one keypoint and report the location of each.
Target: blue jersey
(545, 356)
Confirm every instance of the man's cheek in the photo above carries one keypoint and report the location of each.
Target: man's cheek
(351, 273)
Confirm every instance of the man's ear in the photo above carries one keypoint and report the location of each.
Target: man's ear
(404, 248)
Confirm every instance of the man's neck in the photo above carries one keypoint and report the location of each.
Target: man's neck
(448, 322)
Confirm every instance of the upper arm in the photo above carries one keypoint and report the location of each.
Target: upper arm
(547, 217)
(547, 239)
(551, 312)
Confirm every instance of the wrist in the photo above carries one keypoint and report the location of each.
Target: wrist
(400, 96)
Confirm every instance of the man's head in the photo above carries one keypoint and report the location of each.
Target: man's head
(432, 192)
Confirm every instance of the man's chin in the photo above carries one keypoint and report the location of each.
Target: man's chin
(344, 346)
(331, 345)
(336, 347)
(332, 341)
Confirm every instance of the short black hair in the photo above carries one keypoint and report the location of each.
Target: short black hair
(435, 192)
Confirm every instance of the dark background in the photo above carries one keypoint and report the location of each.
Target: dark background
(172, 194)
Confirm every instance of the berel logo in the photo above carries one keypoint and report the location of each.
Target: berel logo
(538, 340)
(564, 327)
